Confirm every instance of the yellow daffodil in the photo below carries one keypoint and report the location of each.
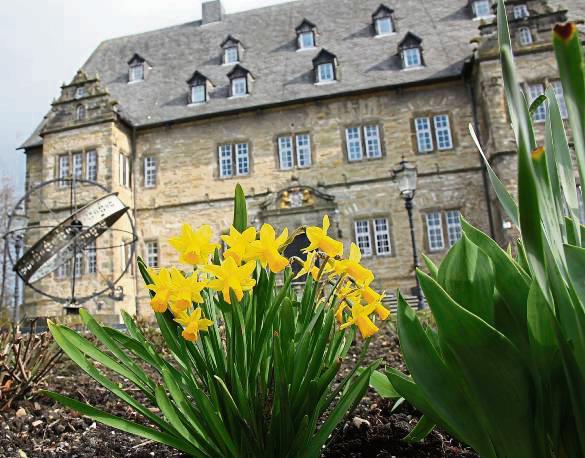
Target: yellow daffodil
(194, 247)
(266, 249)
(193, 324)
(320, 240)
(369, 295)
(238, 243)
(161, 285)
(347, 295)
(382, 312)
(353, 268)
(360, 317)
(229, 275)
(185, 290)
(339, 312)
(310, 266)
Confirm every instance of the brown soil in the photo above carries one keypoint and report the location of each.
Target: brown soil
(46, 429)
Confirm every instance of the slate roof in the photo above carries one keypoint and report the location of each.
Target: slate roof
(282, 74)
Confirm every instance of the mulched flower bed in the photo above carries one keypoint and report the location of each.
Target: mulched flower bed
(39, 427)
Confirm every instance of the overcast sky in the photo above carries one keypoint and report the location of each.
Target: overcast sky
(44, 42)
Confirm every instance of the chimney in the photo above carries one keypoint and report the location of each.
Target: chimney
(212, 11)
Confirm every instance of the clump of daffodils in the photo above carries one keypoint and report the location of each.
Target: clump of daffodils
(346, 283)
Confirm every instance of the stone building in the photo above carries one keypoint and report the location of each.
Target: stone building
(308, 105)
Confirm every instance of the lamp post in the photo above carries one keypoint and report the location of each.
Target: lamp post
(405, 174)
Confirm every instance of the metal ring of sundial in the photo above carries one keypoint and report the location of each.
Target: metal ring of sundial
(73, 234)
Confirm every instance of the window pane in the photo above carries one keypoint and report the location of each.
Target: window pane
(520, 11)
(91, 257)
(306, 40)
(137, 72)
(198, 94)
(285, 153)
(453, 226)
(63, 171)
(481, 8)
(325, 72)
(384, 26)
(231, 55)
(412, 57)
(149, 172)
(525, 36)
(152, 253)
(239, 87)
(77, 165)
(435, 231)
(303, 150)
(78, 264)
(242, 159)
(558, 88)
(354, 143)
(382, 235)
(424, 138)
(225, 161)
(80, 113)
(443, 132)
(535, 90)
(372, 134)
(91, 165)
(362, 236)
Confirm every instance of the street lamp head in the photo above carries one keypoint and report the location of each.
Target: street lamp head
(405, 174)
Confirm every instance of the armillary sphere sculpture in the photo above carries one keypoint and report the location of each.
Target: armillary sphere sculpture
(74, 239)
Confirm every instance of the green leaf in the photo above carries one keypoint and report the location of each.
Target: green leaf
(240, 211)
(431, 266)
(467, 275)
(420, 431)
(124, 425)
(382, 385)
(536, 103)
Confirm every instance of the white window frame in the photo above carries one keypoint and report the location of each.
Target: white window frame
(124, 170)
(412, 58)
(91, 257)
(225, 160)
(424, 135)
(525, 36)
(454, 231)
(435, 231)
(239, 86)
(231, 55)
(325, 72)
(482, 9)
(372, 141)
(379, 28)
(63, 169)
(150, 171)
(520, 11)
(443, 137)
(351, 142)
(91, 165)
(363, 237)
(198, 93)
(534, 91)
(77, 164)
(242, 159)
(152, 253)
(557, 86)
(285, 152)
(303, 147)
(310, 43)
(382, 233)
(136, 73)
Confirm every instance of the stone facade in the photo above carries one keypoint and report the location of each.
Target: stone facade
(188, 187)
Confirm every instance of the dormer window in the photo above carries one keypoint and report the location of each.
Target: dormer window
(325, 67)
(80, 113)
(240, 80)
(198, 88)
(411, 51)
(520, 11)
(383, 21)
(481, 8)
(306, 35)
(136, 69)
(231, 50)
(525, 36)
